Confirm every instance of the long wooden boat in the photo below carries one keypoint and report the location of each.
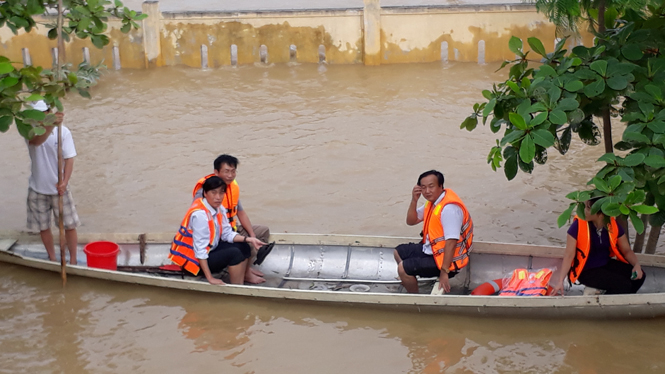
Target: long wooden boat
(361, 270)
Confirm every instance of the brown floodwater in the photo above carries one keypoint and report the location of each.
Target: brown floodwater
(323, 149)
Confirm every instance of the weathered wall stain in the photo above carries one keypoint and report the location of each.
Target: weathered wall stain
(406, 35)
(40, 46)
(181, 43)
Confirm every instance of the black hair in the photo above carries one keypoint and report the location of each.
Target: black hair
(438, 174)
(212, 183)
(593, 200)
(225, 159)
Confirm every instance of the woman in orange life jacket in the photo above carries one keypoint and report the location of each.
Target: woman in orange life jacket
(590, 248)
(229, 249)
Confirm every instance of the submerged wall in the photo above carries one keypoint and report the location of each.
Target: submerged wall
(371, 35)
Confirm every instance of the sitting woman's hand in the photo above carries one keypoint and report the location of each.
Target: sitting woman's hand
(212, 280)
(557, 289)
(255, 242)
(638, 269)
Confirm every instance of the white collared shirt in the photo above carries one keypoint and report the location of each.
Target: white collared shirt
(452, 218)
(198, 224)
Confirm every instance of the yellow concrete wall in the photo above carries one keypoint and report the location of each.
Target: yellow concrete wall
(406, 35)
(417, 37)
(338, 32)
(130, 47)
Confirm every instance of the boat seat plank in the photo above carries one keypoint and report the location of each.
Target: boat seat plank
(436, 291)
(5, 244)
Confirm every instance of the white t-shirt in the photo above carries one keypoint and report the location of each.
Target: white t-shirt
(452, 218)
(44, 159)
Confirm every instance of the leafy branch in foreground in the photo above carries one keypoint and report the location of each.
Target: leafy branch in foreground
(84, 18)
(541, 107)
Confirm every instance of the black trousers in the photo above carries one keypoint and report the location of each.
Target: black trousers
(227, 254)
(613, 277)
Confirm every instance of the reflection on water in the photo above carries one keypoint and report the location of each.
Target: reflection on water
(334, 150)
(103, 327)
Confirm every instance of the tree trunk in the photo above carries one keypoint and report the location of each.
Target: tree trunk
(601, 16)
(61, 161)
(654, 235)
(623, 222)
(639, 238)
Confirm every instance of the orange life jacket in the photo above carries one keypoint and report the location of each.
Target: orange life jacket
(433, 231)
(527, 283)
(182, 247)
(584, 246)
(230, 201)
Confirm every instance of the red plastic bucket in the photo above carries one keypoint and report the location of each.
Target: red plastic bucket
(102, 255)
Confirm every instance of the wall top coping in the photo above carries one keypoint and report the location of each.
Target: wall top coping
(386, 10)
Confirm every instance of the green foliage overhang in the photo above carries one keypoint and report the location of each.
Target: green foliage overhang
(540, 108)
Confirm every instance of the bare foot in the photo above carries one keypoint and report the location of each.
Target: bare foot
(256, 272)
(253, 279)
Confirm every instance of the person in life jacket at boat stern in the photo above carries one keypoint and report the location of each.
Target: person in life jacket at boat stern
(591, 249)
(447, 234)
(225, 167)
(206, 241)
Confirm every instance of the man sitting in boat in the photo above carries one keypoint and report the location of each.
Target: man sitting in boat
(206, 241)
(447, 235)
(225, 167)
(598, 255)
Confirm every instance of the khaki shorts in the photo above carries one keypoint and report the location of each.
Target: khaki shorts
(40, 207)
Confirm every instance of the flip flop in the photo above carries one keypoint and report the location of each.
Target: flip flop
(263, 252)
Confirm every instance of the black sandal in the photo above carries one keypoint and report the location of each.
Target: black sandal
(263, 252)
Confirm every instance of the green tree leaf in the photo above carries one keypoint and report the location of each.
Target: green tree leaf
(537, 46)
(611, 209)
(614, 182)
(633, 160)
(543, 138)
(489, 107)
(510, 167)
(599, 66)
(567, 105)
(655, 161)
(469, 123)
(515, 45)
(512, 137)
(527, 149)
(539, 118)
(618, 82)
(517, 120)
(565, 216)
(632, 52)
(573, 86)
(644, 209)
(637, 222)
(5, 122)
(610, 158)
(6, 67)
(33, 114)
(558, 117)
(601, 185)
(595, 88)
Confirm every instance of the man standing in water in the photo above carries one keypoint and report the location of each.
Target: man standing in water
(447, 235)
(225, 167)
(44, 189)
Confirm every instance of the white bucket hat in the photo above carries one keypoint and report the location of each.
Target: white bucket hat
(39, 105)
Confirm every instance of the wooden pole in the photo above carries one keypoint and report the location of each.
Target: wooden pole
(61, 161)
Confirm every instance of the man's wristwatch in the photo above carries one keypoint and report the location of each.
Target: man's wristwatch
(245, 240)
(446, 270)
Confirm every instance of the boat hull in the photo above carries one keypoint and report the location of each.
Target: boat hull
(328, 267)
